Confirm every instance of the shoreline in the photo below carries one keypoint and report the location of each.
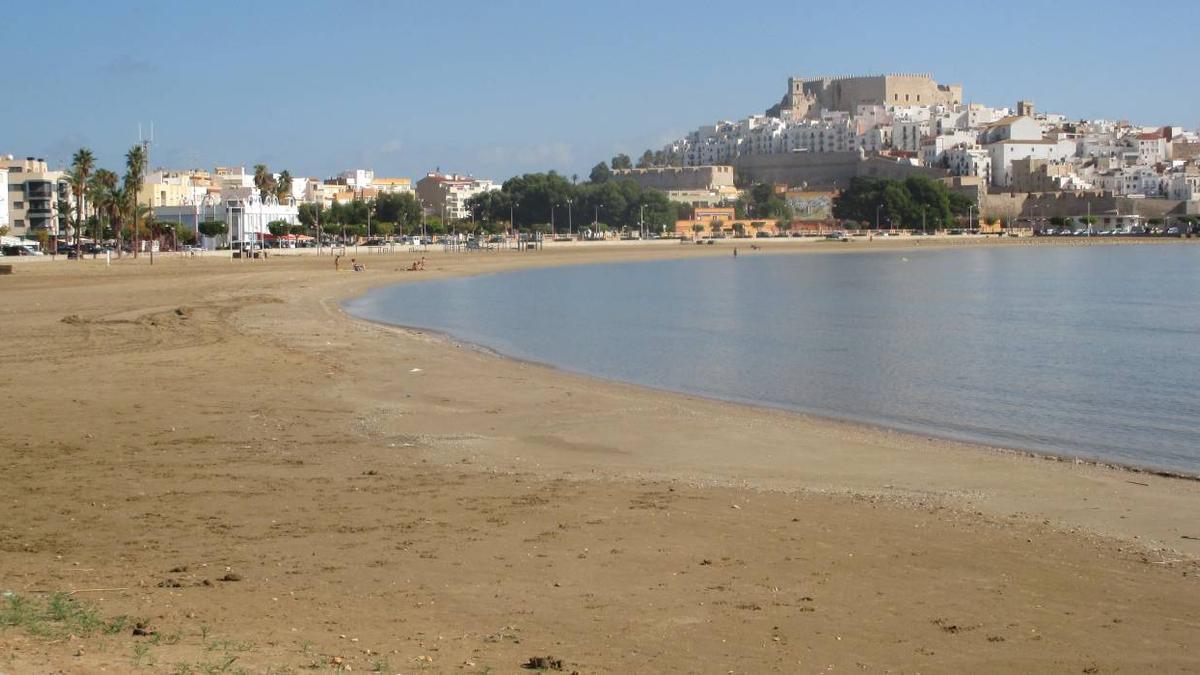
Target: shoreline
(220, 449)
(450, 339)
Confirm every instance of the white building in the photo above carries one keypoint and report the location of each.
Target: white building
(32, 196)
(1012, 128)
(446, 195)
(4, 197)
(970, 161)
(358, 179)
(1151, 148)
(1004, 152)
(1184, 184)
(244, 212)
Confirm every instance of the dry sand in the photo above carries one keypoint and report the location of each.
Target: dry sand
(168, 426)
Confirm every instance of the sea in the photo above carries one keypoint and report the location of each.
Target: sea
(1075, 351)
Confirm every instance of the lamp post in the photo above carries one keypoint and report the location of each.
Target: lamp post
(552, 207)
(570, 220)
(877, 216)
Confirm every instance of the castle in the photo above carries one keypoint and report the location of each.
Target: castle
(807, 97)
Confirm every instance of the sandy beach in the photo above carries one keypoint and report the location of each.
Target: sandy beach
(214, 450)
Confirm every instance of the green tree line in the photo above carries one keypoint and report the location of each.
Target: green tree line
(536, 200)
(902, 204)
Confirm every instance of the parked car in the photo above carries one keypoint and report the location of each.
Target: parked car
(15, 251)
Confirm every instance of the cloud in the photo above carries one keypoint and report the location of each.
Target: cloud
(538, 155)
(125, 65)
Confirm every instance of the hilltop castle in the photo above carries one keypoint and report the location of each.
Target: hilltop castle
(807, 97)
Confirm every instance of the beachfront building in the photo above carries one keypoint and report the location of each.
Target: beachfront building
(173, 188)
(3, 197)
(245, 214)
(392, 185)
(32, 194)
(447, 194)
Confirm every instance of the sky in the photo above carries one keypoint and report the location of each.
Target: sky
(502, 87)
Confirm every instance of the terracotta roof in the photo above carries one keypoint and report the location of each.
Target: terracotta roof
(1004, 121)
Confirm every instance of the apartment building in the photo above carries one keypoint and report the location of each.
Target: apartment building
(32, 193)
(446, 195)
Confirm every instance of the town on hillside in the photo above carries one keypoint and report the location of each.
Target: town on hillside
(882, 152)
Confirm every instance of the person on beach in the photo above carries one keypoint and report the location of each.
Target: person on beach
(337, 263)
(735, 251)
(357, 266)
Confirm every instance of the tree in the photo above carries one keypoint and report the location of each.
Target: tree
(81, 169)
(279, 228)
(646, 161)
(907, 201)
(102, 193)
(758, 226)
(739, 229)
(185, 236)
(696, 229)
(213, 228)
(600, 173)
(4, 230)
(784, 226)
(385, 229)
(264, 181)
(135, 175)
(717, 226)
(399, 208)
(621, 161)
(761, 201)
(311, 214)
(283, 187)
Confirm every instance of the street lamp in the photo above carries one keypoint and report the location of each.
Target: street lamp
(570, 220)
(877, 217)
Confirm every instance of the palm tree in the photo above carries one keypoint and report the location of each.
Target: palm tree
(101, 190)
(264, 181)
(135, 173)
(81, 168)
(75, 182)
(283, 187)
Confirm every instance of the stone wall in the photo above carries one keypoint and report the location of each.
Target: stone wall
(680, 177)
(828, 170)
(1011, 205)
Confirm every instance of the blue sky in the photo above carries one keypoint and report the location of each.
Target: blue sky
(496, 88)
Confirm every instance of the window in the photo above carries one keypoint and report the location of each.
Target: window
(18, 205)
(18, 223)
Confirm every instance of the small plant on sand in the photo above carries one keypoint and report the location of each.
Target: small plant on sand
(53, 616)
(141, 654)
(381, 666)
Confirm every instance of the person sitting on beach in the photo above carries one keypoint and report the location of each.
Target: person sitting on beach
(357, 266)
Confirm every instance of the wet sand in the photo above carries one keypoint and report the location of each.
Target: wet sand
(452, 511)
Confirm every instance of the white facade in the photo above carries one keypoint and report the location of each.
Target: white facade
(1183, 185)
(1012, 129)
(446, 195)
(1004, 152)
(358, 179)
(4, 197)
(243, 211)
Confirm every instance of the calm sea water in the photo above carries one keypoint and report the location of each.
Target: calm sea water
(1088, 351)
